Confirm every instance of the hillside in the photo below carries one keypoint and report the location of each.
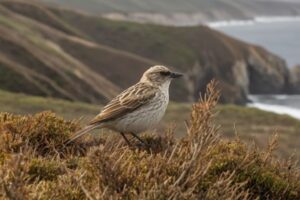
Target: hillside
(67, 54)
(35, 163)
(33, 60)
(189, 12)
(249, 123)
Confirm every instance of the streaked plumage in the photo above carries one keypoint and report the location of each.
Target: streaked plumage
(138, 108)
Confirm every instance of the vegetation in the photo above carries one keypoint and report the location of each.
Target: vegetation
(67, 54)
(25, 104)
(230, 9)
(250, 124)
(35, 163)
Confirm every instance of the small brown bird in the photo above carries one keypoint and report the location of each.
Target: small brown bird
(138, 108)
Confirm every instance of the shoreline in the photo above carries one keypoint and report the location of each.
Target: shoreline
(282, 110)
(276, 104)
(194, 19)
(250, 22)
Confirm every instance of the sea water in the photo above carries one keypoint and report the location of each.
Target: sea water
(280, 35)
(280, 104)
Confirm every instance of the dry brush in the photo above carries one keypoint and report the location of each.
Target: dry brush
(35, 163)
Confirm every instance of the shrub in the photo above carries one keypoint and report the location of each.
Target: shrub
(45, 133)
(43, 169)
(35, 164)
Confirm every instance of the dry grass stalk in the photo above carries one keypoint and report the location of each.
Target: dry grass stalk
(199, 166)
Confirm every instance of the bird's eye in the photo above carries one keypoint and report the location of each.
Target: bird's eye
(167, 73)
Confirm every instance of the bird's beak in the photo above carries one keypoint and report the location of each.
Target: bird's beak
(175, 75)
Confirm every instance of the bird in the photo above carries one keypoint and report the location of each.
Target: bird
(136, 109)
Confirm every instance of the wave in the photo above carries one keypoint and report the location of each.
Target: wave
(256, 20)
(279, 109)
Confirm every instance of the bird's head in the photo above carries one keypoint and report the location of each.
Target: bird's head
(159, 75)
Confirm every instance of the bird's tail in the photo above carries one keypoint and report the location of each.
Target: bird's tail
(82, 132)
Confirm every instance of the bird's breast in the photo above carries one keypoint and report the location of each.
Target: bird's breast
(144, 118)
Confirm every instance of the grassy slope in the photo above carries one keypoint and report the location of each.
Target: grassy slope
(232, 8)
(142, 6)
(102, 51)
(32, 51)
(24, 104)
(250, 123)
(200, 52)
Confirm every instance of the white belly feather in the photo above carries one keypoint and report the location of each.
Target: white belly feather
(147, 116)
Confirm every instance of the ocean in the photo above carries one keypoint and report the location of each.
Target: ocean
(280, 35)
(280, 104)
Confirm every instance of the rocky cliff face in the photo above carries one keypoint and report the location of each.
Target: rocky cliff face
(71, 55)
(294, 87)
(257, 72)
(268, 73)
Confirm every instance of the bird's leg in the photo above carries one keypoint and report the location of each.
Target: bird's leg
(125, 138)
(137, 137)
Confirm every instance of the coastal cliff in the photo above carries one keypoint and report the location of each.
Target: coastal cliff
(295, 80)
(75, 56)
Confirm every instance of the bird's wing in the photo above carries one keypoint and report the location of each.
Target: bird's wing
(128, 101)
